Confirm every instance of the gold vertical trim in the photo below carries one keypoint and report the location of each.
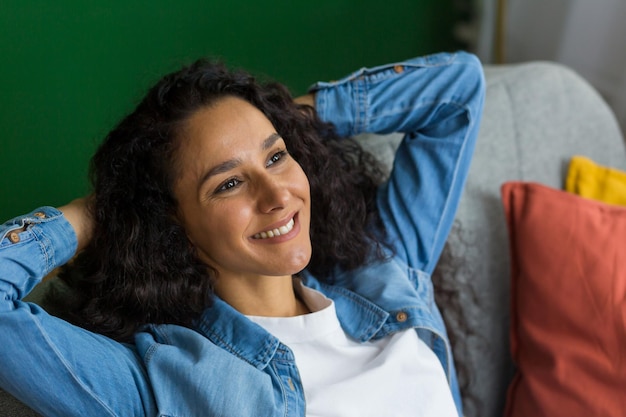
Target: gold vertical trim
(500, 32)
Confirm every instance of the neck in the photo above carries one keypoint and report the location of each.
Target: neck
(261, 296)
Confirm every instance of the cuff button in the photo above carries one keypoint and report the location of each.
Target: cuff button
(14, 237)
(40, 214)
(398, 68)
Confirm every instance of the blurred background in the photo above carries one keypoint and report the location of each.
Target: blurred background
(588, 36)
(72, 68)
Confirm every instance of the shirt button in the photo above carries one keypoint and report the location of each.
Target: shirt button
(14, 237)
(398, 68)
(402, 316)
(40, 214)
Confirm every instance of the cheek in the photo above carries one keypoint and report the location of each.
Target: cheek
(224, 223)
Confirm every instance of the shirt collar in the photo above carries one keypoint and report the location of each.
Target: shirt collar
(360, 318)
(229, 329)
(234, 332)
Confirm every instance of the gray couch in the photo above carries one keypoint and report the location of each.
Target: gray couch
(537, 115)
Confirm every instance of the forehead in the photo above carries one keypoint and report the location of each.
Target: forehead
(229, 129)
(226, 125)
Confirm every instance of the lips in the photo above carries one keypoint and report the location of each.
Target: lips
(278, 231)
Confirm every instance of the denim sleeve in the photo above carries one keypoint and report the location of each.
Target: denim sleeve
(54, 367)
(436, 101)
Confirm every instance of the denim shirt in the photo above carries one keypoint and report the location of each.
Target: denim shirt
(227, 365)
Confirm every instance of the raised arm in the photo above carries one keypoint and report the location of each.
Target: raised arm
(78, 213)
(54, 367)
(437, 102)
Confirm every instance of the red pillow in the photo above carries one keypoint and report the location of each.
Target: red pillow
(568, 303)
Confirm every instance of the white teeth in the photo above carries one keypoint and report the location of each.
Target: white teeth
(275, 232)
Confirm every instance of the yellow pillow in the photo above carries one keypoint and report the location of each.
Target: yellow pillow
(590, 180)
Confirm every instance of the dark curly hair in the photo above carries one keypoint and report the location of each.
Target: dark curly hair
(140, 267)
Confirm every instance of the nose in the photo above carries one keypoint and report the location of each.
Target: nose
(272, 194)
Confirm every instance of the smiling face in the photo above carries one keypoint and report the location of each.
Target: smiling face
(242, 199)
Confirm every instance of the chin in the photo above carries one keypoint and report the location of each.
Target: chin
(300, 261)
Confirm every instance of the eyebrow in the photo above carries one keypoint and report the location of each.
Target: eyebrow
(233, 163)
(270, 141)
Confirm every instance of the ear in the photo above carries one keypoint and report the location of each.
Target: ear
(178, 219)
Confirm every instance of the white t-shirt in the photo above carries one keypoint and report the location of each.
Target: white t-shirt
(396, 376)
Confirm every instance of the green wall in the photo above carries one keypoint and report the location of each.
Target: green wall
(70, 69)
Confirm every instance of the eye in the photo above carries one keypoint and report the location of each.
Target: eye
(227, 185)
(277, 157)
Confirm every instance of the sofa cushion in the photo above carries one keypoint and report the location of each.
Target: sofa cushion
(589, 179)
(568, 303)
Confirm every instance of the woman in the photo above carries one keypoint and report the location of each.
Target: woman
(238, 257)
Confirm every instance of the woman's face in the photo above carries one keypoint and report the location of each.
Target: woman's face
(243, 201)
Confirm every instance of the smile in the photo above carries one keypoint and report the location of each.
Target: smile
(282, 230)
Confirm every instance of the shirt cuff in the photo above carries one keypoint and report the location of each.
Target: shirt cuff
(47, 227)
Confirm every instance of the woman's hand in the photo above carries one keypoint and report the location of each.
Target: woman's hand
(78, 213)
(306, 99)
